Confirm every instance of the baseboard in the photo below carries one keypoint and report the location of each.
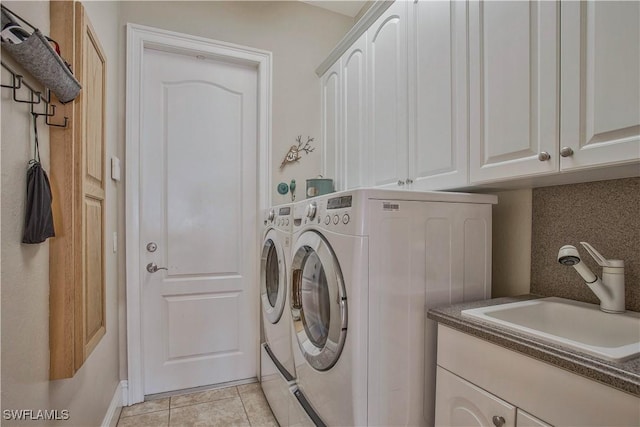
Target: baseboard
(115, 407)
(124, 384)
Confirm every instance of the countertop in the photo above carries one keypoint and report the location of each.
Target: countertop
(623, 376)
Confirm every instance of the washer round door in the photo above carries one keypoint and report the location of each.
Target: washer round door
(273, 285)
(318, 301)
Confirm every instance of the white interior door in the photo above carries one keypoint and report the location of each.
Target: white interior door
(198, 204)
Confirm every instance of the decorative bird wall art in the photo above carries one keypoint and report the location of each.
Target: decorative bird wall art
(295, 152)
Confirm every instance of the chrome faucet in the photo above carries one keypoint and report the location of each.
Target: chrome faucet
(609, 289)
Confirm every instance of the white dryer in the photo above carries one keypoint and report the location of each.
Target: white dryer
(277, 370)
(366, 266)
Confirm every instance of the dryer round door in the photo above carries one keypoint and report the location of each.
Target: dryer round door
(273, 285)
(318, 301)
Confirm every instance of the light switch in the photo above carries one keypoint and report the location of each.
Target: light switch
(115, 169)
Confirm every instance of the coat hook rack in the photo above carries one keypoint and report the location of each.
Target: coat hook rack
(35, 97)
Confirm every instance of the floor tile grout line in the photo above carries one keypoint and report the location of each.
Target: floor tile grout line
(206, 401)
(141, 413)
(244, 408)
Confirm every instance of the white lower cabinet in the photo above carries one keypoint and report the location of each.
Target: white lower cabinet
(483, 384)
(524, 419)
(461, 404)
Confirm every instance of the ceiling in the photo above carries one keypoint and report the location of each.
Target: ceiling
(349, 8)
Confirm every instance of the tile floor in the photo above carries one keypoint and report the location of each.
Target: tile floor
(242, 405)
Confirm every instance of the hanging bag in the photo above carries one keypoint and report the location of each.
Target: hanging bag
(38, 219)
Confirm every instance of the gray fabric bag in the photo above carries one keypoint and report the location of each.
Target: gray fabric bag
(37, 56)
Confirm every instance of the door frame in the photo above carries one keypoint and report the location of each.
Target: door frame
(140, 37)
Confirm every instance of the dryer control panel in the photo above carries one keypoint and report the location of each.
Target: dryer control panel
(280, 217)
(328, 212)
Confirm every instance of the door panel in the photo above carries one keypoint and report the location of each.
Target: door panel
(198, 204)
(354, 75)
(211, 116)
(387, 106)
(438, 155)
(513, 89)
(600, 84)
(331, 125)
(460, 403)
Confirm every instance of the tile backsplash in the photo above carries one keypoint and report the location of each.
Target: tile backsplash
(605, 214)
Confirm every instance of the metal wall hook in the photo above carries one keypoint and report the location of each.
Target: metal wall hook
(35, 97)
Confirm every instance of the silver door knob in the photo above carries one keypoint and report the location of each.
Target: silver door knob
(566, 152)
(498, 421)
(152, 268)
(544, 156)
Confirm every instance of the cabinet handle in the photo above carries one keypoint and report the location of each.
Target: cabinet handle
(566, 152)
(498, 421)
(544, 156)
(400, 182)
(409, 181)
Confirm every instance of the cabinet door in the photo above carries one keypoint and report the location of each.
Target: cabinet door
(387, 106)
(438, 125)
(513, 89)
(77, 318)
(330, 96)
(460, 403)
(600, 96)
(524, 419)
(354, 80)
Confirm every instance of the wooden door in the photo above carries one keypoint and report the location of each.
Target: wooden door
(77, 277)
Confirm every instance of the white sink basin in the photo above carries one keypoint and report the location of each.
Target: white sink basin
(571, 323)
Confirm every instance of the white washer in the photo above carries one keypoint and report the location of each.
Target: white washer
(277, 370)
(366, 265)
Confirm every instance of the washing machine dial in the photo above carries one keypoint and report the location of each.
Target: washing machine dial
(310, 211)
(271, 216)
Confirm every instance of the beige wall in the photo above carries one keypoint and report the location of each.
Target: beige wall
(299, 36)
(511, 243)
(25, 268)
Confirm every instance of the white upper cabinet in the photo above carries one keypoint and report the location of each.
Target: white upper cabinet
(438, 95)
(387, 96)
(442, 95)
(513, 89)
(354, 80)
(331, 125)
(600, 83)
